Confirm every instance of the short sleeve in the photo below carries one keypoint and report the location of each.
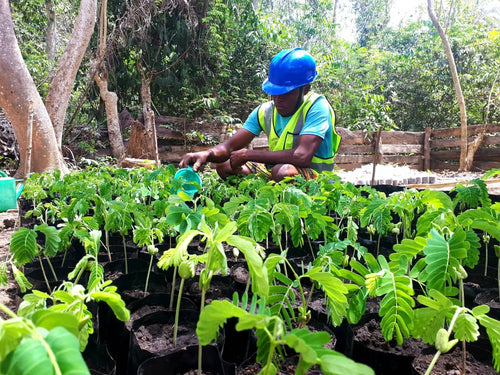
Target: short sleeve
(318, 119)
(252, 123)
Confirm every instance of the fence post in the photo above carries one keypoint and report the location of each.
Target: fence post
(377, 155)
(427, 148)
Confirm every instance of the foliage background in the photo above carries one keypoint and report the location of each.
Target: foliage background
(209, 58)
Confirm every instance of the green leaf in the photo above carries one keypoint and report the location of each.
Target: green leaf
(428, 320)
(306, 343)
(443, 259)
(21, 279)
(23, 245)
(213, 317)
(49, 320)
(493, 330)
(258, 272)
(31, 356)
(67, 351)
(52, 240)
(333, 364)
(466, 327)
(335, 291)
(114, 301)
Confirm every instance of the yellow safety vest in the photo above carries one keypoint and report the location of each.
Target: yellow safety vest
(289, 138)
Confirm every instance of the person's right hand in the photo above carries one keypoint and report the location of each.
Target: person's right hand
(195, 159)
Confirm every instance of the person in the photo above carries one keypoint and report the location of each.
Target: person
(299, 125)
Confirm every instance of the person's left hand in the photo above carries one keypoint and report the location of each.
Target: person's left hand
(238, 159)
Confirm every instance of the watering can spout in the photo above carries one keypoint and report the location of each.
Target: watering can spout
(19, 190)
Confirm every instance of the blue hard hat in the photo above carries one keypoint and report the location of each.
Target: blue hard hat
(290, 69)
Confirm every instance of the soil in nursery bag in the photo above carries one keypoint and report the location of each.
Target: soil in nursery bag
(185, 361)
(131, 286)
(221, 287)
(153, 303)
(450, 363)
(36, 278)
(116, 268)
(489, 297)
(152, 335)
(385, 357)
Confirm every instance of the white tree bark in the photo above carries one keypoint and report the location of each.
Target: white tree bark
(51, 33)
(61, 86)
(464, 164)
(16, 90)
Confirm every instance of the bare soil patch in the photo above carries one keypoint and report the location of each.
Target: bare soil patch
(8, 223)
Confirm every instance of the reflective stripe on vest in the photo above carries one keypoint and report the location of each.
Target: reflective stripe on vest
(289, 138)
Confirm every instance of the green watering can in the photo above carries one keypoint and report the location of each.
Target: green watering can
(191, 181)
(9, 193)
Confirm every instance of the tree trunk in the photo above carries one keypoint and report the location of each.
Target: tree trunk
(61, 86)
(109, 98)
(110, 101)
(148, 117)
(464, 165)
(51, 33)
(16, 90)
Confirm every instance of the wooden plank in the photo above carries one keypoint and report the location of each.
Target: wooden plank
(445, 155)
(485, 165)
(402, 137)
(401, 149)
(355, 149)
(481, 154)
(403, 160)
(349, 159)
(471, 130)
(455, 142)
(439, 165)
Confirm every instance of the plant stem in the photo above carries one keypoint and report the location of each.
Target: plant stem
(177, 310)
(8, 311)
(125, 253)
(149, 272)
(106, 234)
(52, 269)
(247, 287)
(80, 273)
(172, 293)
(200, 348)
(486, 260)
(64, 257)
(44, 275)
(438, 353)
(462, 297)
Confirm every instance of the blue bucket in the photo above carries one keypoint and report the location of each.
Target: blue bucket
(191, 181)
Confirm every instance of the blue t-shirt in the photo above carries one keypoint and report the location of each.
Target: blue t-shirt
(317, 123)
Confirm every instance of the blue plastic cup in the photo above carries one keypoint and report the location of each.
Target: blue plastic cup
(191, 181)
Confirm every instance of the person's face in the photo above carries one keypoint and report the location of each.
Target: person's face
(286, 104)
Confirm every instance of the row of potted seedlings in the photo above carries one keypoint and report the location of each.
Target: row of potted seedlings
(265, 277)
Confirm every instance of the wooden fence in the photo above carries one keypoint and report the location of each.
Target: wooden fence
(433, 149)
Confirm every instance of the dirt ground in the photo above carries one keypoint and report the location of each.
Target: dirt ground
(8, 222)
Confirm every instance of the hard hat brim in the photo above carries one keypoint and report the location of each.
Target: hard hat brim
(272, 89)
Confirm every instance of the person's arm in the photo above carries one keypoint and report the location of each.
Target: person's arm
(300, 156)
(218, 153)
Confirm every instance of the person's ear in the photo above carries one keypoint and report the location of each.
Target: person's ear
(307, 88)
